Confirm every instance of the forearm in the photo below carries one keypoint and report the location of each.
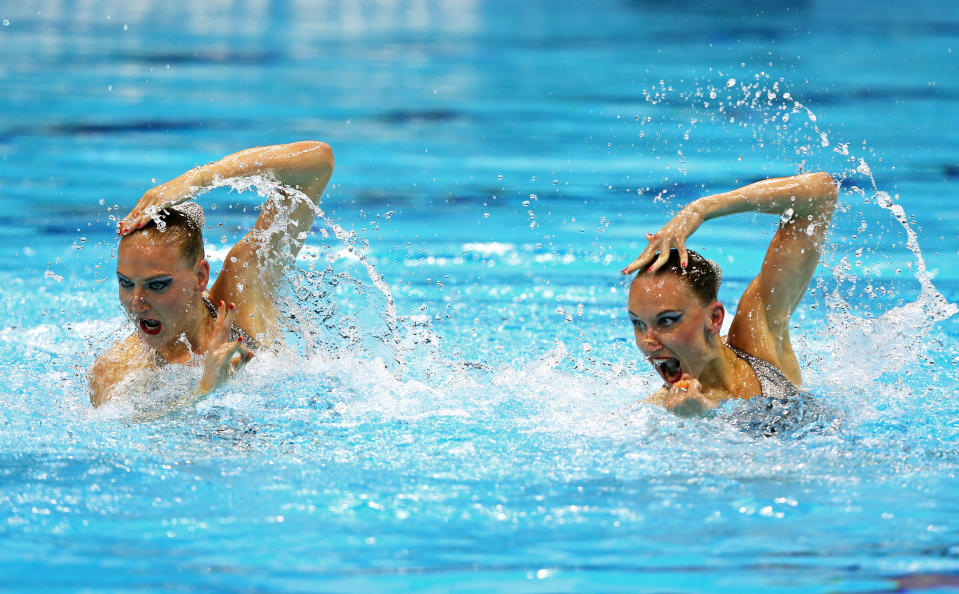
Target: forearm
(808, 197)
(303, 165)
(807, 194)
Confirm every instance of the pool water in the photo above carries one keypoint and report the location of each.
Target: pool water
(466, 418)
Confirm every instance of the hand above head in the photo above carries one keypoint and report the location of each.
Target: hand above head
(685, 398)
(153, 201)
(672, 235)
(305, 166)
(224, 357)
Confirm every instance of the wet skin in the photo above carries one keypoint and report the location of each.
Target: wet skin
(160, 289)
(672, 327)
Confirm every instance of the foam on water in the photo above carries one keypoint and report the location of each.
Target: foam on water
(461, 442)
(348, 347)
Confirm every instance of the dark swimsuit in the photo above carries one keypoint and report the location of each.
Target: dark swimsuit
(235, 331)
(781, 408)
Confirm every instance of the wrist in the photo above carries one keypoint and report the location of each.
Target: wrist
(696, 213)
(204, 386)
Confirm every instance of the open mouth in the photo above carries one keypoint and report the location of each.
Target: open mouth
(669, 368)
(151, 327)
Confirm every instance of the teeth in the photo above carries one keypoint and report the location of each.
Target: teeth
(151, 323)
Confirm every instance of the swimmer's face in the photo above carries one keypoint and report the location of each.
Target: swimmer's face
(671, 325)
(158, 286)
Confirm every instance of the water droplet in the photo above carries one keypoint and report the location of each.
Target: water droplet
(6, 23)
(731, 82)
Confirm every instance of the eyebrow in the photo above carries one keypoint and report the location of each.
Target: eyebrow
(633, 316)
(151, 279)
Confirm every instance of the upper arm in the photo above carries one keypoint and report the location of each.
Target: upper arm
(794, 251)
(254, 265)
(286, 217)
(765, 308)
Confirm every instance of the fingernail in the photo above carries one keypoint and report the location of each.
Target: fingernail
(649, 269)
(683, 264)
(221, 303)
(239, 338)
(624, 270)
(232, 307)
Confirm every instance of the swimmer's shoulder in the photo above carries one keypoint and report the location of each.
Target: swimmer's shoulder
(112, 366)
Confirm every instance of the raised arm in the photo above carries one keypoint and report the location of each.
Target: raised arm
(804, 202)
(254, 266)
(305, 166)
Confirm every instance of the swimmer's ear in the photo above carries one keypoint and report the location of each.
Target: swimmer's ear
(202, 270)
(717, 313)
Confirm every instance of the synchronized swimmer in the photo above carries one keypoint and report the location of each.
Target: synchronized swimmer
(163, 279)
(673, 298)
(163, 274)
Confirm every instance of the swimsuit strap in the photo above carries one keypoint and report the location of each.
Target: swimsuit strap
(772, 382)
(235, 331)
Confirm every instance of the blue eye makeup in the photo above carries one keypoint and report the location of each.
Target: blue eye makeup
(156, 285)
(159, 284)
(669, 320)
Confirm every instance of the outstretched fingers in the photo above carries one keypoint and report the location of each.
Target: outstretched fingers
(224, 356)
(644, 258)
(133, 221)
(657, 253)
(225, 314)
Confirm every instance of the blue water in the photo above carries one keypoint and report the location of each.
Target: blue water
(468, 424)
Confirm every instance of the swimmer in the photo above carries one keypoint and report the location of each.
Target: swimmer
(673, 298)
(163, 274)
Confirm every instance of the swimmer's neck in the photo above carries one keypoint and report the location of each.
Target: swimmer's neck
(720, 377)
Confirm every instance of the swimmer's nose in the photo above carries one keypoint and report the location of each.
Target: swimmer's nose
(138, 303)
(649, 343)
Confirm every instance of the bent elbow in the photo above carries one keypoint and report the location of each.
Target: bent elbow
(317, 154)
(308, 166)
(826, 186)
(823, 191)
